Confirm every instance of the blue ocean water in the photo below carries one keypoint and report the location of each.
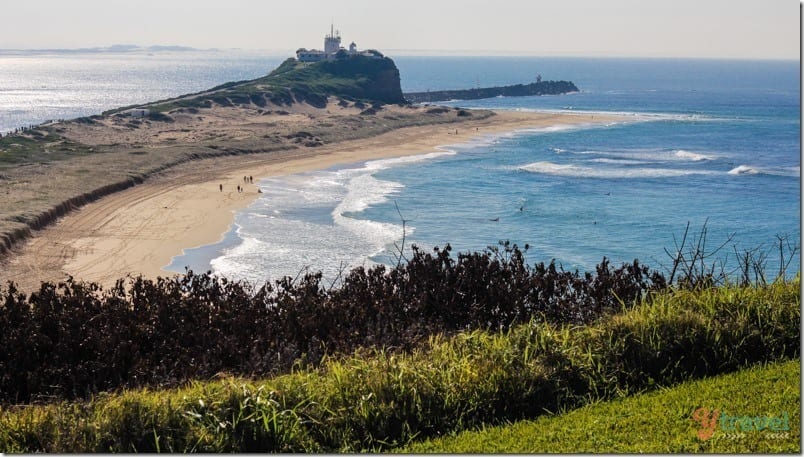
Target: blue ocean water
(706, 140)
(40, 86)
(722, 145)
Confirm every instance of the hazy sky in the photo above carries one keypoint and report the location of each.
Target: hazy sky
(673, 28)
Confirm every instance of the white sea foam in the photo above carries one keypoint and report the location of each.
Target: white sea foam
(630, 116)
(364, 191)
(383, 164)
(576, 171)
(313, 220)
(286, 247)
(620, 161)
(744, 170)
(774, 171)
(555, 128)
(652, 155)
(695, 157)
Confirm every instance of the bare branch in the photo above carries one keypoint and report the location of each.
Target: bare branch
(401, 249)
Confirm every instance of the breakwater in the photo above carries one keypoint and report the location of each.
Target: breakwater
(517, 90)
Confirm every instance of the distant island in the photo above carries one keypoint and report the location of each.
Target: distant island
(113, 49)
(517, 90)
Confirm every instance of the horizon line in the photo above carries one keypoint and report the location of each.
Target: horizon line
(279, 52)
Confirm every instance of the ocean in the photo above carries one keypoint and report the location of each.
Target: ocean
(705, 142)
(36, 87)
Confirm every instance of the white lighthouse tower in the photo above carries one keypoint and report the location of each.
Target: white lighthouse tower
(332, 42)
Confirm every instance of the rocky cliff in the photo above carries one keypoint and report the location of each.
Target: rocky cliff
(365, 78)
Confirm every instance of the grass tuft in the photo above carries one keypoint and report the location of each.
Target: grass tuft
(657, 422)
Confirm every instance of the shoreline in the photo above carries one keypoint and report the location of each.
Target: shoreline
(139, 231)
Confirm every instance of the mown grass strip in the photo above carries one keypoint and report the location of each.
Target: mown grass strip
(658, 422)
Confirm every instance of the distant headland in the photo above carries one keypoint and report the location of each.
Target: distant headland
(518, 90)
(334, 52)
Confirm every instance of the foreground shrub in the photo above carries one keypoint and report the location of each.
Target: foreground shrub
(376, 400)
(74, 339)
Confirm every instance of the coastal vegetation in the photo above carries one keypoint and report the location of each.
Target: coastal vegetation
(658, 422)
(73, 339)
(355, 78)
(16, 150)
(379, 397)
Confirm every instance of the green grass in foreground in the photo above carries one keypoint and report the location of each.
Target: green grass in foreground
(378, 400)
(656, 422)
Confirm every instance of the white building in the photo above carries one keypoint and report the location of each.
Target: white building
(135, 112)
(332, 44)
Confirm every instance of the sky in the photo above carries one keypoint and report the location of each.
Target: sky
(753, 29)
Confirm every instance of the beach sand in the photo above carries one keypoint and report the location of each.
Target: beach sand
(139, 230)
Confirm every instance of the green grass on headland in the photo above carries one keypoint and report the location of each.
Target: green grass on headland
(379, 401)
(361, 78)
(661, 421)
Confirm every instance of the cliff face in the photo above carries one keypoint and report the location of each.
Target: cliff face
(357, 77)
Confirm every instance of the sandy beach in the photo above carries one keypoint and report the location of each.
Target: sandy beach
(139, 230)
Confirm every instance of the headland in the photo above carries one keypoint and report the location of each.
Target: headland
(121, 193)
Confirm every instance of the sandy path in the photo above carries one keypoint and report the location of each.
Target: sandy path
(139, 230)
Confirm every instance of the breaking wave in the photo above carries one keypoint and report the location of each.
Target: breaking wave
(773, 171)
(578, 171)
(653, 155)
(313, 220)
(693, 156)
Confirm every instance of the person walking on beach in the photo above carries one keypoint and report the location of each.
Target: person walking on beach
(221, 187)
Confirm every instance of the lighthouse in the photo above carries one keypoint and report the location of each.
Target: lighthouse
(332, 42)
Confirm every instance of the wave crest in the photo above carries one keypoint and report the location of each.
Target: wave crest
(575, 171)
(773, 171)
(694, 156)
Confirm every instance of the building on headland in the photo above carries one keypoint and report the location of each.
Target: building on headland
(333, 50)
(135, 112)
